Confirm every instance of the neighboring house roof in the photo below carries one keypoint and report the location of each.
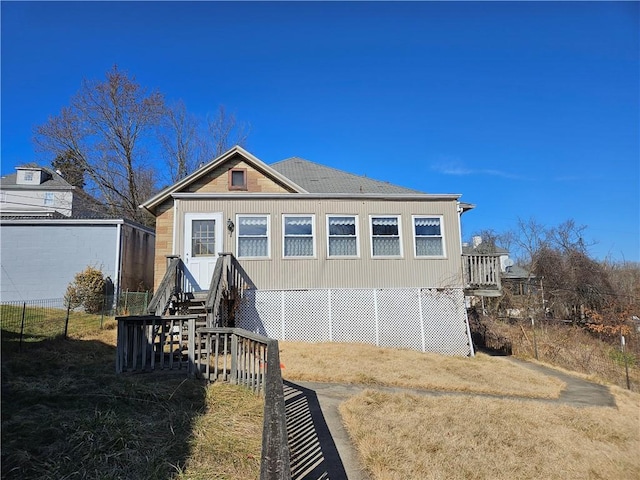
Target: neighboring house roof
(316, 178)
(516, 272)
(83, 205)
(54, 182)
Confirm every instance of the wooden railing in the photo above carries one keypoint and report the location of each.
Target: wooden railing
(234, 355)
(228, 284)
(170, 287)
(149, 342)
(481, 271)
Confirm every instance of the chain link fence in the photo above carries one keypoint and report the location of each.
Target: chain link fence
(35, 320)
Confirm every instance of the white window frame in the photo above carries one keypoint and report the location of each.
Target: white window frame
(48, 199)
(441, 236)
(313, 233)
(357, 234)
(265, 215)
(384, 215)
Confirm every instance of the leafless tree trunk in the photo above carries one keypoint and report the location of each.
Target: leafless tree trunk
(187, 143)
(106, 129)
(112, 127)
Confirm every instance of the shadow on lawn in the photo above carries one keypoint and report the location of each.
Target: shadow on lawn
(65, 413)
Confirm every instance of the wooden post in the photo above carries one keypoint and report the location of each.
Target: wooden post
(275, 463)
(234, 359)
(191, 368)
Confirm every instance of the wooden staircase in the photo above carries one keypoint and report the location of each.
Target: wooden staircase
(194, 304)
(215, 307)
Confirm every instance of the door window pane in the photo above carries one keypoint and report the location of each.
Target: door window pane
(203, 238)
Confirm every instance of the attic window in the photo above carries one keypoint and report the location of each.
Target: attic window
(28, 176)
(238, 179)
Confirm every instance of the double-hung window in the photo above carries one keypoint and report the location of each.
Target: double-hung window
(299, 235)
(48, 199)
(385, 236)
(343, 235)
(428, 239)
(253, 236)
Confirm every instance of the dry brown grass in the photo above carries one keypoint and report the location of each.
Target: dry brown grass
(472, 437)
(370, 365)
(66, 414)
(227, 439)
(572, 348)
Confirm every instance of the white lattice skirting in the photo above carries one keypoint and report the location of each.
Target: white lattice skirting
(429, 320)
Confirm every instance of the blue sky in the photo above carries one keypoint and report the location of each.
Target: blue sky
(527, 109)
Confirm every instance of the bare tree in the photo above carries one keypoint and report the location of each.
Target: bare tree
(223, 132)
(104, 130)
(187, 142)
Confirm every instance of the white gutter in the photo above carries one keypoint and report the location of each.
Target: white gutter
(315, 196)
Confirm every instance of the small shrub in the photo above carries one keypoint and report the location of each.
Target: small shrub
(87, 290)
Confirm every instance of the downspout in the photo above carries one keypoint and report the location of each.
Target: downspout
(460, 211)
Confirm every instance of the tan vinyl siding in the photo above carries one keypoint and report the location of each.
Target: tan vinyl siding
(323, 272)
(218, 180)
(164, 240)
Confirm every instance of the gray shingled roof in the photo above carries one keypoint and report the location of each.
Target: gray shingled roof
(84, 205)
(316, 178)
(56, 182)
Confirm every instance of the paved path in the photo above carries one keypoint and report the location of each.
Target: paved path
(321, 448)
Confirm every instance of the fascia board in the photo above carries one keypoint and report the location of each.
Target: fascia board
(304, 196)
(259, 164)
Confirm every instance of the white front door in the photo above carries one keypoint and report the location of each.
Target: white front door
(202, 243)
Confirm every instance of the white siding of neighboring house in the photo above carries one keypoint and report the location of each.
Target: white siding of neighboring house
(39, 261)
(36, 201)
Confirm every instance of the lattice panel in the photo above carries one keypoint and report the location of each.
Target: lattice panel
(306, 315)
(445, 322)
(353, 318)
(399, 318)
(261, 312)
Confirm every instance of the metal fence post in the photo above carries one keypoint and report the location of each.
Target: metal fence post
(24, 308)
(66, 321)
(535, 341)
(626, 360)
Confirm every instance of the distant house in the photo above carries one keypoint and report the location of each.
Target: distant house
(513, 279)
(332, 256)
(50, 230)
(42, 192)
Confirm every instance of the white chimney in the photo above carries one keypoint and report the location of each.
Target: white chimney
(476, 241)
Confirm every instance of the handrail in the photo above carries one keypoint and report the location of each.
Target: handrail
(146, 343)
(169, 286)
(230, 279)
(481, 270)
